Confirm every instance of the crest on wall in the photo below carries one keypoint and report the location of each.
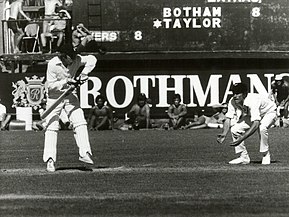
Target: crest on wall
(29, 93)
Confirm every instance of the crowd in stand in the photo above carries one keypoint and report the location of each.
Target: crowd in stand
(55, 27)
(177, 116)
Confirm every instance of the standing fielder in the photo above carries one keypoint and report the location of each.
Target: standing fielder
(280, 95)
(254, 112)
(60, 74)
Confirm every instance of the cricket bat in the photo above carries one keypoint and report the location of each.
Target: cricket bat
(62, 96)
(58, 101)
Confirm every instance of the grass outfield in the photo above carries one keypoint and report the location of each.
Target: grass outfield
(143, 173)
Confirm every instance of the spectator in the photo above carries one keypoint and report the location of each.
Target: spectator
(50, 14)
(139, 114)
(15, 10)
(199, 121)
(100, 116)
(177, 113)
(81, 36)
(56, 28)
(217, 120)
(203, 121)
(4, 117)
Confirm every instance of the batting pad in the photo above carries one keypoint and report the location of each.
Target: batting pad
(82, 140)
(50, 145)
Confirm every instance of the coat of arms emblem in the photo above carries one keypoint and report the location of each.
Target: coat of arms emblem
(29, 93)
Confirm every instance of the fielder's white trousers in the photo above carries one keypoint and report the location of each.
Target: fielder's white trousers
(75, 114)
(239, 129)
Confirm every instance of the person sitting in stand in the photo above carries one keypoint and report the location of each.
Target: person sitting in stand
(16, 9)
(177, 113)
(4, 117)
(56, 28)
(139, 114)
(100, 116)
(50, 12)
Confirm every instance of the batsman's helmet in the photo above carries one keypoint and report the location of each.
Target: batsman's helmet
(68, 50)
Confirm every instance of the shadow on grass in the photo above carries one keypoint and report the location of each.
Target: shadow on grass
(81, 168)
(259, 162)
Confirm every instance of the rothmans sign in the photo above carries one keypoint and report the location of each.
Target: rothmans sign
(201, 93)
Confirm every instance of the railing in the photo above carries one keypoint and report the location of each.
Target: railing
(8, 35)
(33, 2)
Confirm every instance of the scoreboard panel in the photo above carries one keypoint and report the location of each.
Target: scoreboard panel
(186, 25)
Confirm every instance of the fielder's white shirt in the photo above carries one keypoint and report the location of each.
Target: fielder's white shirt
(2, 112)
(256, 104)
(259, 106)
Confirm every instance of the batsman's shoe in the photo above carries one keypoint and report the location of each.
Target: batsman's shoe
(86, 159)
(50, 165)
(243, 159)
(266, 160)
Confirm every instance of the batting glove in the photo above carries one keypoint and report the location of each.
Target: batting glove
(72, 81)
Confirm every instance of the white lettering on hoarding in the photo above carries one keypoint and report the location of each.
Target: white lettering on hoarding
(110, 92)
(196, 87)
(163, 88)
(234, 78)
(256, 84)
(94, 91)
(144, 83)
(107, 36)
(200, 93)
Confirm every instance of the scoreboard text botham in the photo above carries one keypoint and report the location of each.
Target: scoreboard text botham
(192, 17)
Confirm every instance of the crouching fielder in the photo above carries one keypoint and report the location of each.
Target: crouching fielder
(254, 112)
(60, 73)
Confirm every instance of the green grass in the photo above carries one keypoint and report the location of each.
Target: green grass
(143, 173)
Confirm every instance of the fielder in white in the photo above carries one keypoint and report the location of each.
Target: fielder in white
(254, 112)
(60, 73)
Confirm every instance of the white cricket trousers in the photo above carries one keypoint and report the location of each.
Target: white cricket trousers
(239, 129)
(75, 114)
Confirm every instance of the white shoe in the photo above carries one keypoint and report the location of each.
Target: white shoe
(50, 165)
(266, 160)
(245, 159)
(86, 159)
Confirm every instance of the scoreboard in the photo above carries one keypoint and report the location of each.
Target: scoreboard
(186, 25)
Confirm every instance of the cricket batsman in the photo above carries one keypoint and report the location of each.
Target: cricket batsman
(254, 112)
(62, 72)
